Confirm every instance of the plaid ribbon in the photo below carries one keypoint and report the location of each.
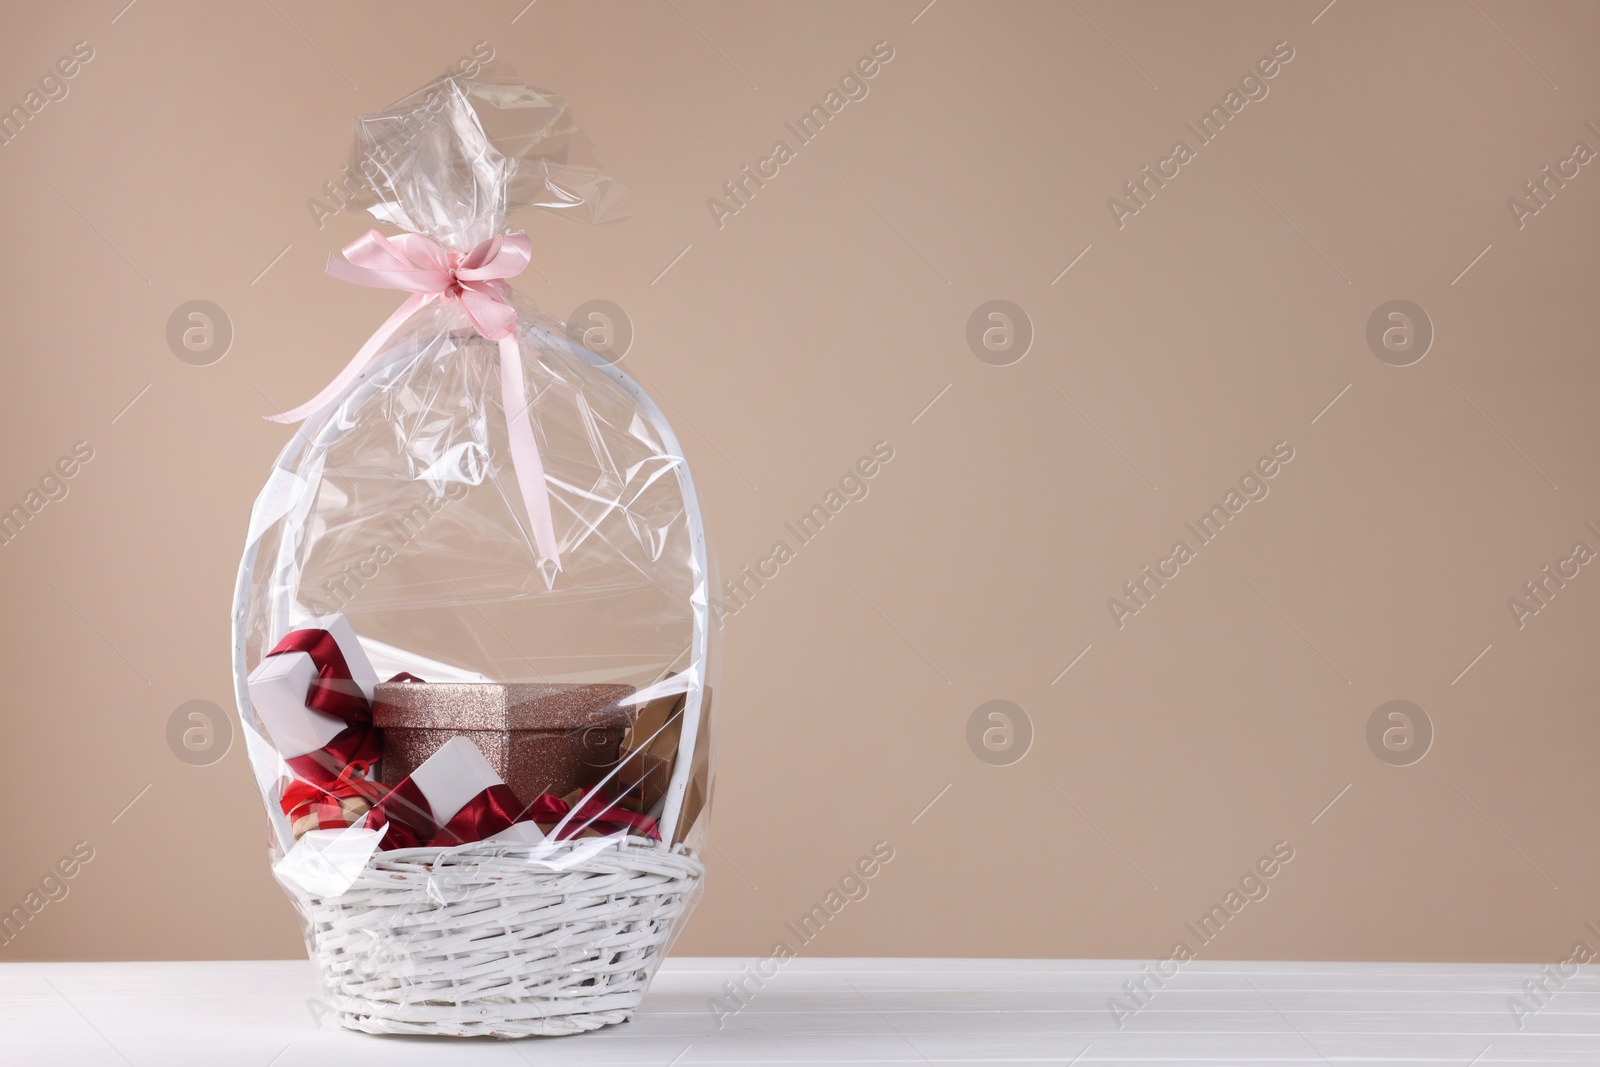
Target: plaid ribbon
(332, 806)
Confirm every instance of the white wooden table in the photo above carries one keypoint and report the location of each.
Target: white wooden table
(838, 1012)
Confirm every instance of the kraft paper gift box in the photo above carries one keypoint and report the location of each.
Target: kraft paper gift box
(645, 760)
(540, 738)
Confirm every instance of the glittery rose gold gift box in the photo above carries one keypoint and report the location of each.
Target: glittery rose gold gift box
(539, 738)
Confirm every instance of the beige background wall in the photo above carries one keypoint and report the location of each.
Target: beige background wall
(826, 315)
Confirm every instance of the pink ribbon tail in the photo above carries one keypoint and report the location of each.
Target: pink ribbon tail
(361, 365)
(525, 450)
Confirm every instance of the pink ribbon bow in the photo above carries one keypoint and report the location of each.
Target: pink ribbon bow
(475, 280)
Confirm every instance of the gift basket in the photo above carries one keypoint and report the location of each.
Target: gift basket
(472, 647)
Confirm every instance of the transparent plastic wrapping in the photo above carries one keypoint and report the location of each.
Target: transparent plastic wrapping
(472, 641)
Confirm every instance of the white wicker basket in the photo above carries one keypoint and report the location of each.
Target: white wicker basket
(475, 942)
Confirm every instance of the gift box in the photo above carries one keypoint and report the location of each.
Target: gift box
(307, 690)
(315, 809)
(645, 761)
(452, 798)
(540, 738)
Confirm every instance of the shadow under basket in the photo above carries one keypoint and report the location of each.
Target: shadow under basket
(476, 942)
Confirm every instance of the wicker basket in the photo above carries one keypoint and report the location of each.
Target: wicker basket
(476, 942)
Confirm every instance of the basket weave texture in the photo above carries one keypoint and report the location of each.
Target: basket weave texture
(477, 942)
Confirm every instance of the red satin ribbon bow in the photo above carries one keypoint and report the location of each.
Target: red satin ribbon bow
(411, 820)
(328, 802)
(333, 692)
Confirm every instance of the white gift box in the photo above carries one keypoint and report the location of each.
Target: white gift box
(455, 774)
(280, 685)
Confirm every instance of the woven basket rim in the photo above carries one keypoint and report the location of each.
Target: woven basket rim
(514, 852)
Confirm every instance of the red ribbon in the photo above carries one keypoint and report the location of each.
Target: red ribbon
(412, 823)
(592, 813)
(302, 798)
(333, 692)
